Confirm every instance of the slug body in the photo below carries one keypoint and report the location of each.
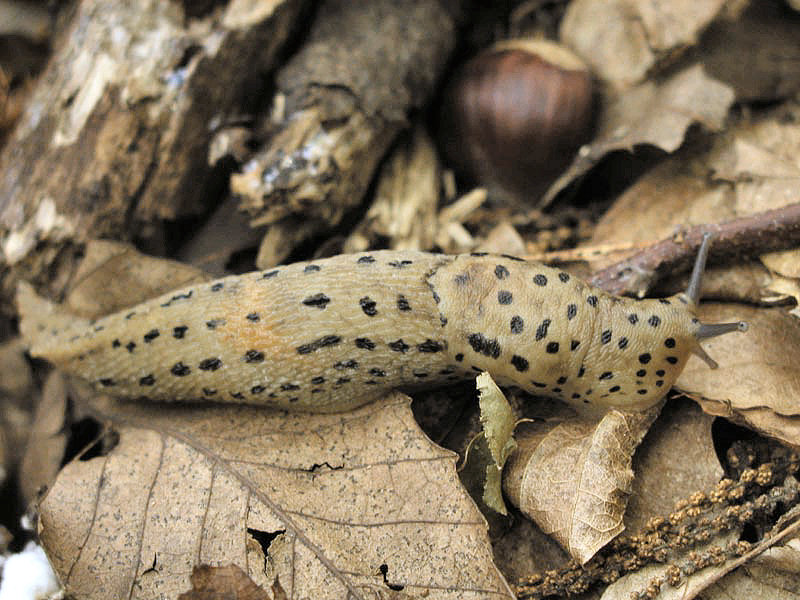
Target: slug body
(333, 334)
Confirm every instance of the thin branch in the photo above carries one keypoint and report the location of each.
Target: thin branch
(767, 231)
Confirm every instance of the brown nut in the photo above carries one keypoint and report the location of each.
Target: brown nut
(514, 116)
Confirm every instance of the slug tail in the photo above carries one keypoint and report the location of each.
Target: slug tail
(48, 331)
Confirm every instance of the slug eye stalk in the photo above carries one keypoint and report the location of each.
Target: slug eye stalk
(692, 295)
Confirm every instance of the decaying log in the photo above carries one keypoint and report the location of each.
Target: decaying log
(117, 132)
(340, 102)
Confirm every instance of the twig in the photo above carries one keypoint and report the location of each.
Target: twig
(767, 231)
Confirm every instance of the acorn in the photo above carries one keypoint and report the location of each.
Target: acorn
(514, 116)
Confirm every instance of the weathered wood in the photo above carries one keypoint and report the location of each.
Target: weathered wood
(341, 101)
(117, 132)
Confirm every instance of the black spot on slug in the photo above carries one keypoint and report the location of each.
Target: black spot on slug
(669, 342)
(479, 254)
(254, 317)
(177, 297)
(237, 395)
(147, 380)
(605, 337)
(645, 358)
(318, 300)
(572, 310)
(210, 364)
(288, 387)
(606, 375)
(592, 300)
(515, 258)
(365, 343)
(107, 382)
(673, 360)
(323, 342)
(483, 345)
(217, 287)
(130, 346)
(179, 332)
(641, 373)
(664, 301)
(377, 372)
(257, 389)
(269, 274)
(311, 268)
(430, 346)
(660, 372)
(581, 371)
(561, 380)
(317, 380)
(520, 363)
(116, 344)
(253, 356)
(368, 306)
(654, 321)
(563, 277)
(623, 343)
(209, 391)
(419, 374)
(501, 272)
(365, 260)
(399, 346)
(459, 357)
(556, 390)
(402, 303)
(633, 318)
(214, 323)
(641, 392)
(346, 364)
(130, 315)
(538, 384)
(540, 280)
(517, 324)
(151, 335)
(180, 370)
(504, 297)
(659, 383)
(614, 388)
(552, 348)
(399, 264)
(342, 380)
(541, 330)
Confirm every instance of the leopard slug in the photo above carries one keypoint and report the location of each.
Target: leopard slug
(332, 334)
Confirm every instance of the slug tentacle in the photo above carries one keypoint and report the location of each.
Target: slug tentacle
(331, 334)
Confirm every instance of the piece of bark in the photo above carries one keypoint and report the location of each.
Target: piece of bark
(117, 131)
(344, 97)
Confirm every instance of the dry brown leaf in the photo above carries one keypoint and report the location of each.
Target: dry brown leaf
(358, 503)
(653, 114)
(634, 34)
(223, 583)
(44, 450)
(574, 480)
(662, 475)
(136, 277)
(758, 379)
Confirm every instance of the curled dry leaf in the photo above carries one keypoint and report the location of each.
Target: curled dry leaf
(360, 503)
(757, 381)
(656, 114)
(498, 422)
(574, 480)
(635, 33)
(135, 277)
